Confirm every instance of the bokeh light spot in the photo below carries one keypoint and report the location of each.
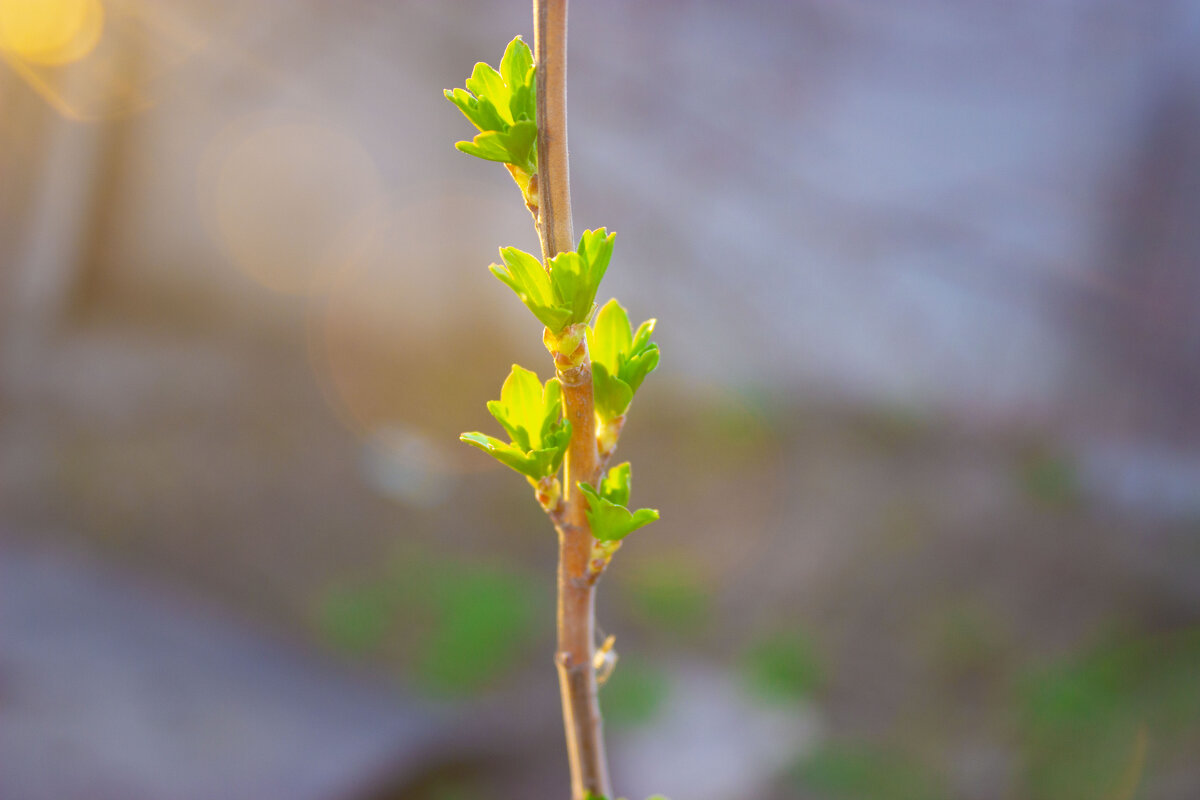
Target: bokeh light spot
(294, 204)
(50, 32)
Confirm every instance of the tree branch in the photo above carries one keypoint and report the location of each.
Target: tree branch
(554, 183)
(576, 595)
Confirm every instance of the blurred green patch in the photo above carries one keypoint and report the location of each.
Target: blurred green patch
(483, 626)
(860, 772)
(356, 618)
(670, 595)
(634, 694)
(732, 431)
(894, 428)
(784, 666)
(1083, 719)
(459, 626)
(1048, 478)
(963, 637)
(450, 789)
(449, 780)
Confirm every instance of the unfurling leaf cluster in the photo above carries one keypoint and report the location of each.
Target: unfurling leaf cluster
(565, 294)
(621, 359)
(531, 414)
(502, 105)
(607, 513)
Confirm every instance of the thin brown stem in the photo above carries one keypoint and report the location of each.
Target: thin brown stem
(554, 183)
(576, 594)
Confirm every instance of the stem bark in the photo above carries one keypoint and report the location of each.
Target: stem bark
(576, 594)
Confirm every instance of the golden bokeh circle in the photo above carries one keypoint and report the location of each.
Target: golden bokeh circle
(50, 32)
(294, 203)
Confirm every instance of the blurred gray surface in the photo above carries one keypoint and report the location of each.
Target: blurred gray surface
(714, 740)
(111, 688)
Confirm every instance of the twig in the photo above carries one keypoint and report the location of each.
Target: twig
(576, 594)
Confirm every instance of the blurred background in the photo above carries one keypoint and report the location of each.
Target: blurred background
(925, 438)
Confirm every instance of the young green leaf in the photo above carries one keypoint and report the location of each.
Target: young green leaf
(642, 357)
(596, 247)
(611, 336)
(526, 463)
(490, 146)
(615, 486)
(611, 521)
(516, 68)
(524, 274)
(527, 410)
(612, 395)
(486, 84)
(524, 103)
(531, 414)
(621, 359)
(577, 275)
(566, 293)
(569, 274)
(482, 115)
(502, 105)
(521, 142)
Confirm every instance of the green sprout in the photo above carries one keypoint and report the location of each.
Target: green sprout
(610, 519)
(566, 293)
(531, 414)
(502, 105)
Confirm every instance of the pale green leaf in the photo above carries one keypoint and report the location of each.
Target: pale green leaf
(552, 409)
(486, 84)
(503, 106)
(522, 394)
(489, 145)
(516, 64)
(481, 113)
(615, 486)
(534, 279)
(611, 522)
(568, 272)
(521, 143)
(524, 102)
(519, 408)
(641, 339)
(506, 454)
(620, 357)
(535, 464)
(550, 457)
(636, 368)
(610, 336)
(612, 395)
(530, 412)
(524, 274)
(595, 248)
